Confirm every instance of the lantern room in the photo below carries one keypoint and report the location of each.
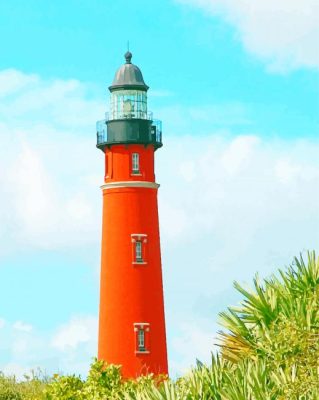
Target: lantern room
(128, 104)
(128, 120)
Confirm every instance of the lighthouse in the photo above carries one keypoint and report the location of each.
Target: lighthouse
(131, 315)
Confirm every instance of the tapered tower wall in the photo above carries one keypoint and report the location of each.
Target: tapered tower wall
(131, 291)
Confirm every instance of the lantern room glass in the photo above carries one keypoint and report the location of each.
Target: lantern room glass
(127, 104)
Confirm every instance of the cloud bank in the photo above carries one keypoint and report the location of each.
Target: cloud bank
(285, 33)
(68, 349)
(47, 133)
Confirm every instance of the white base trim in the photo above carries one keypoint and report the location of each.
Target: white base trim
(124, 184)
(139, 262)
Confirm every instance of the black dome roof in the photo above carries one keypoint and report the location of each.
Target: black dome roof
(128, 76)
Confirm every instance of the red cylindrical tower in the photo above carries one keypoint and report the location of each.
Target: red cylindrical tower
(131, 319)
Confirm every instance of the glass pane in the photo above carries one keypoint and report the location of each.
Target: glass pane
(138, 250)
(135, 162)
(141, 339)
(128, 104)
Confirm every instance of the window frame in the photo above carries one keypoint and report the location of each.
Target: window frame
(140, 238)
(142, 331)
(135, 164)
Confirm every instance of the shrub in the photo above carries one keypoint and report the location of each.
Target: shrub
(269, 351)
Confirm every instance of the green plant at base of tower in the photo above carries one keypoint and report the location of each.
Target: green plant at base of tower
(278, 323)
(103, 382)
(32, 388)
(269, 351)
(64, 388)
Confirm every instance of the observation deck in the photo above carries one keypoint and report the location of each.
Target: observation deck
(128, 129)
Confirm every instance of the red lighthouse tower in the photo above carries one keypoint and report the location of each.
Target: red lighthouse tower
(131, 320)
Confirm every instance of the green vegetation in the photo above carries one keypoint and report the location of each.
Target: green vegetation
(32, 388)
(269, 350)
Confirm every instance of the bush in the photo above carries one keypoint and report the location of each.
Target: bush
(31, 389)
(269, 351)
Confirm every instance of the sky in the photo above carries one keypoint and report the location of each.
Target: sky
(235, 83)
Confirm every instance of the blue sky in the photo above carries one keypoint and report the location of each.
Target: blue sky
(239, 170)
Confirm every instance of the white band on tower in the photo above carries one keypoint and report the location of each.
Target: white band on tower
(128, 184)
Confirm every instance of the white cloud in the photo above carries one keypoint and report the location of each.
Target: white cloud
(188, 170)
(283, 32)
(287, 170)
(78, 330)
(14, 369)
(47, 206)
(47, 131)
(22, 326)
(237, 177)
(235, 158)
(195, 341)
(12, 81)
(252, 205)
(69, 350)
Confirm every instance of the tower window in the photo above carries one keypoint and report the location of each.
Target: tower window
(138, 251)
(141, 340)
(142, 337)
(139, 248)
(135, 163)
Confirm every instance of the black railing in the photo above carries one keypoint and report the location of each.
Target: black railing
(154, 138)
(111, 116)
(156, 131)
(101, 132)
